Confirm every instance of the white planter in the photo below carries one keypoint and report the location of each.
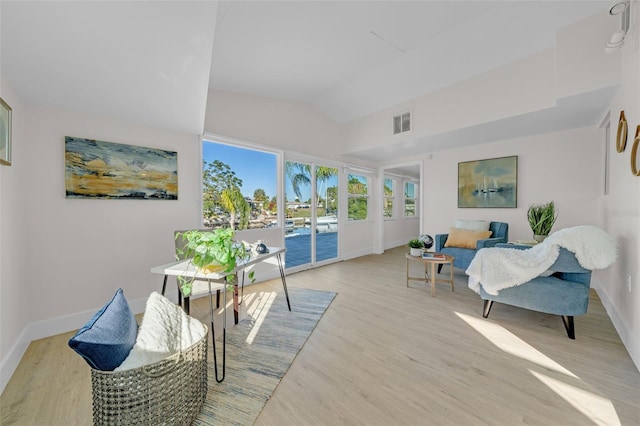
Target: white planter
(415, 251)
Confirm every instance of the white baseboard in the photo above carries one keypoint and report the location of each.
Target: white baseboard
(393, 244)
(630, 341)
(51, 327)
(356, 253)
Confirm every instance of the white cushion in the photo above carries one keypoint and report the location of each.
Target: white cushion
(165, 329)
(472, 225)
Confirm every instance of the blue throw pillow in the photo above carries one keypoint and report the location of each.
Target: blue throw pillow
(105, 341)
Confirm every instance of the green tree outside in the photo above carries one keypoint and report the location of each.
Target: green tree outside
(222, 193)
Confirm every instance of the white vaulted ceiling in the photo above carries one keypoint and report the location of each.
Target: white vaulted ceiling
(151, 62)
(353, 58)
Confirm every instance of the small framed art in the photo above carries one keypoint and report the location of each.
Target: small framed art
(5, 133)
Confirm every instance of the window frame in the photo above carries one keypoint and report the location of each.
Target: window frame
(240, 144)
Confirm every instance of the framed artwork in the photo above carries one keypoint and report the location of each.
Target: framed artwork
(97, 169)
(5, 133)
(491, 183)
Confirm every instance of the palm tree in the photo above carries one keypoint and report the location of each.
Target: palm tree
(232, 200)
(300, 175)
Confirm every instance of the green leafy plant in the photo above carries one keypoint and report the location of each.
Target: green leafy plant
(415, 243)
(211, 251)
(542, 217)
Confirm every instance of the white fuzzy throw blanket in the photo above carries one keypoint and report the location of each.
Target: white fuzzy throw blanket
(498, 268)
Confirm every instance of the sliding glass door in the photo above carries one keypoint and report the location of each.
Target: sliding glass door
(311, 208)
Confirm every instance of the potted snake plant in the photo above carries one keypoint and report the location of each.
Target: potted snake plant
(541, 219)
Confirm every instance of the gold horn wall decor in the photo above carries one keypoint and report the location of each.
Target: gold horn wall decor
(635, 170)
(621, 138)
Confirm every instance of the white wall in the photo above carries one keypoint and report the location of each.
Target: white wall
(619, 212)
(13, 228)
(70, 255)
(563, 167)
(282, 124)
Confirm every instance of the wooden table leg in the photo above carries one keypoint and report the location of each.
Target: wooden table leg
(433, 279)
(451, 267)
(407, 272)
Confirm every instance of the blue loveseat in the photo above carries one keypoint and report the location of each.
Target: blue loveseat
(464, 256)
(564, 293)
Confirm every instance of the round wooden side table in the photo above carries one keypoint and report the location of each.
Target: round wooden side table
(430, 276)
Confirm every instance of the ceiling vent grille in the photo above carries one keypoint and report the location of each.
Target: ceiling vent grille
(402, 123)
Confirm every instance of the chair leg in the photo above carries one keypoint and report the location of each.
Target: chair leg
(568, 325)
(486, 308)
(439, 267)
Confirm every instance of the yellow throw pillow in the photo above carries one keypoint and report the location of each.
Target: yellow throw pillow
(465, 238)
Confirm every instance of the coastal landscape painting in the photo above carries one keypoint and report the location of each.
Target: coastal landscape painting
(97, 169)
(488, 183)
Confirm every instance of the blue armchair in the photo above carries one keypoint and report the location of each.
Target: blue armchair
(564, 293)
(464, 256)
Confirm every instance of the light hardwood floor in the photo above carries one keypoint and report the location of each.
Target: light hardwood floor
(385, 354)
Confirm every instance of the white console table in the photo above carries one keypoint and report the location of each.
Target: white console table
(184, 268)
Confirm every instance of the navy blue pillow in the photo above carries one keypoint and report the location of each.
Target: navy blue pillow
(105, 341)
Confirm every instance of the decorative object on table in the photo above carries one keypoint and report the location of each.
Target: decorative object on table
(210, 251)
(491, 183)
(426, 255)
(541, 218)
(621, 136)
(415, 247)
(427, 241)
(635, 168)
(97, 169)
(261, 248)
(5, 133)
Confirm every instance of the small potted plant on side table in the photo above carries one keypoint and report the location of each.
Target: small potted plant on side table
(415, 247)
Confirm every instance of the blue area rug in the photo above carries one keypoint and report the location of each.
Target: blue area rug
(260, 350)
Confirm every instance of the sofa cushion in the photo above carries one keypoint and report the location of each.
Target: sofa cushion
(465, 238)
(472, 225)
(165, 330)
(105, 341)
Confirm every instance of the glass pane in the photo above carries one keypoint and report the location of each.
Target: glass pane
(238, 186)
(388, 187)
(326, 226)
(358, 208)
(357, 185)
(409, 190)
(388, 207)
(409, 207)
(298, 213)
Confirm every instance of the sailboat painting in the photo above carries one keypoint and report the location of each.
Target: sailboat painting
(488, 183)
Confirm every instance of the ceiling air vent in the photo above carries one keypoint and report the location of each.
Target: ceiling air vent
(402, 122)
